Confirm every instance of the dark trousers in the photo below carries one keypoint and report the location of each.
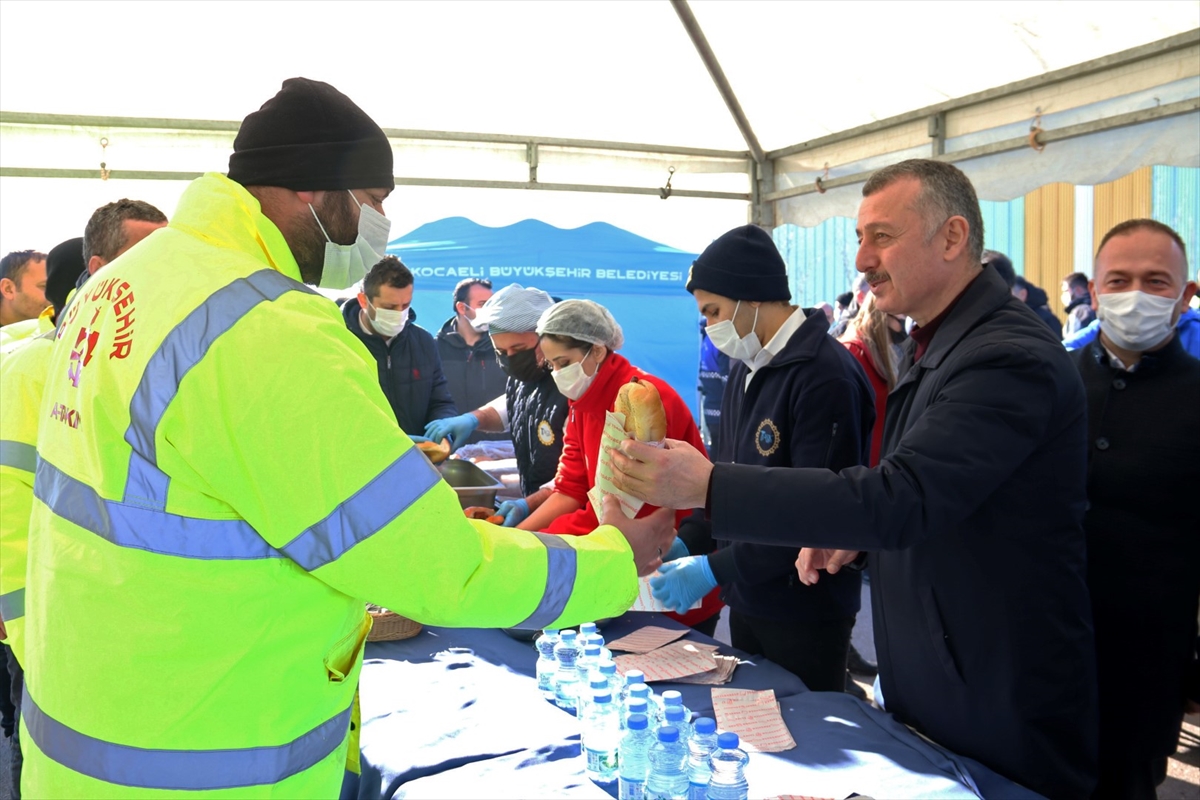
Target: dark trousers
(7, 711)
(812, 650)
(1129, 778)
(17, 681)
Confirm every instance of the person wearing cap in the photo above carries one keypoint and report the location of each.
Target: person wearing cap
(580, 339)
(795, 398)
(531, 408)
(220, 471)
(110, 231)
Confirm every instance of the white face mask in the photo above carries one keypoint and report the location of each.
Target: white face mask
(725, 337)
(1136, 320)
(346, 264)
(387, 322)
(572, 381)
(479, 327)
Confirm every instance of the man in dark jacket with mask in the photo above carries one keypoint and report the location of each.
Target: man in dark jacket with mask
(468, 358)
(531, 408)
(410, 370)
(973, 517)
(1143, 543)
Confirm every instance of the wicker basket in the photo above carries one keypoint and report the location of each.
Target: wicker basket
(389, 626)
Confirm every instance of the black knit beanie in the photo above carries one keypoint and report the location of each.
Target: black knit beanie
(742, 264)
(311, 137)
(64, 265)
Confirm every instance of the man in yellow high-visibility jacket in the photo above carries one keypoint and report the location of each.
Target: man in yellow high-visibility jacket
(111, 230)
(203, 536)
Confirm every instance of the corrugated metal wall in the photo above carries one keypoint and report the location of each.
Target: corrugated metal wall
(820, 260)
(1125, 198)
(1004, 230)
(1176, 202)
(1050, 238)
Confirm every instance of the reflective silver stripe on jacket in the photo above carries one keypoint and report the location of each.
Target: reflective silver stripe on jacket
(560, 581)
(18, 455)
(12, 605)
(185, 770)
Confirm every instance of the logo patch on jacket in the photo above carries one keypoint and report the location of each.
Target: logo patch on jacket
(766, 438)
(545, 433)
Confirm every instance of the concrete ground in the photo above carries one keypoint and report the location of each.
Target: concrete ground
(1183, 771)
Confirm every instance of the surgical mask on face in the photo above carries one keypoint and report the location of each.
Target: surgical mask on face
(478, 327)
(387, 322)
(522, 365)
(572, 381)
(347, 264)
(725, 337)
(1136, 320)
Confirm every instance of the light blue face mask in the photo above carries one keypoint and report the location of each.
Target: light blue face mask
(347, 264)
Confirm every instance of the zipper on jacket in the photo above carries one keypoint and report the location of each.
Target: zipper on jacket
(829, 452)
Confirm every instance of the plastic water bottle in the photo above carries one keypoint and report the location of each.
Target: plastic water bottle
(700, 747)
(589, 660)
(728, 765)
(587, 629)
(632, 678)
(609, 670)
(633, 764)
(547, 664)
(566, 681)
(668, 778)
(601, 738)
(597, 684)
(674, 698)
(636, 705)
(674, 716)
(642, 691)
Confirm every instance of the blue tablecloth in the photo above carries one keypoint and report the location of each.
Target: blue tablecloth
(442, 725)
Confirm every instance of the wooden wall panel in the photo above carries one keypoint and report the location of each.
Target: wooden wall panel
(1050, 238)
(1125, 198)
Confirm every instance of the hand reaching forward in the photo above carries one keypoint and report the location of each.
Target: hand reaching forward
(674, 476)
(649, 537)
(812, 559)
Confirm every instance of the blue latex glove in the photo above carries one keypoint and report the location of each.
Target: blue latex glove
(683, 582)
(678, 550)
(418, 439)
(456, 429)
(513, 512)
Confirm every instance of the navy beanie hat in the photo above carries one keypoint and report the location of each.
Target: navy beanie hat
(742, 264)
(311, 137)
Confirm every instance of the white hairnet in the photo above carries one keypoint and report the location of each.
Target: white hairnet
(514, 309)
(585, 320)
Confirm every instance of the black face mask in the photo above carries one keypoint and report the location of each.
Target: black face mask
(522, 365)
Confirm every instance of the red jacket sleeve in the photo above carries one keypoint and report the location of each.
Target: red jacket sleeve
(571, 478)
(680, 425)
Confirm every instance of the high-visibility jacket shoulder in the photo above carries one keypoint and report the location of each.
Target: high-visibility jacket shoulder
(202, 533)
(16, 335)
(22, 380)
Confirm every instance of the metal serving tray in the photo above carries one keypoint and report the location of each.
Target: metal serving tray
(474, 486)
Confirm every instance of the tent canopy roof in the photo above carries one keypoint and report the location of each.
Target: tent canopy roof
(585, 69)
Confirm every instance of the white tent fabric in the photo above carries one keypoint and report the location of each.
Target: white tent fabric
(583, 69)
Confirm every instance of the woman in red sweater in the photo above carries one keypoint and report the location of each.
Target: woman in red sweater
(869, 338)
(579, 339)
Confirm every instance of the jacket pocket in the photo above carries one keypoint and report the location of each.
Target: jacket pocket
(344, 655)
(938, 638)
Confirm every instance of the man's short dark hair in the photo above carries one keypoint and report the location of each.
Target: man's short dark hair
(13, 265)
(1076, 280)
(1002, 264)
(1022, 284)
(1131, 225)
(945, 192)
(844, 299)
(104, 235)
(463, 289)
(390, 271)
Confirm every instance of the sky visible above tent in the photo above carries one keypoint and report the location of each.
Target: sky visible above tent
(597, 70)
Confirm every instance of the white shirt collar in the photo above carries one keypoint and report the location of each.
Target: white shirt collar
(777, 343)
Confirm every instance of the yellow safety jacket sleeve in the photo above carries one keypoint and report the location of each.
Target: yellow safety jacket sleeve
(22, 380)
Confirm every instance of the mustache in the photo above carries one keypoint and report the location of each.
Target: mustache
(874, 276)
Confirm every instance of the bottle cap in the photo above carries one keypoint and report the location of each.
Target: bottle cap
(636, 722)
(672, 698)
(602, 697)
(668, 734)
(567, 634)
(727, 741)
(674, 713)
(550, 631)
(591, 650)
(639, 690)
(634, 676)
(608, 668)
(597, 680)
(587, 627)
(705, 726)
